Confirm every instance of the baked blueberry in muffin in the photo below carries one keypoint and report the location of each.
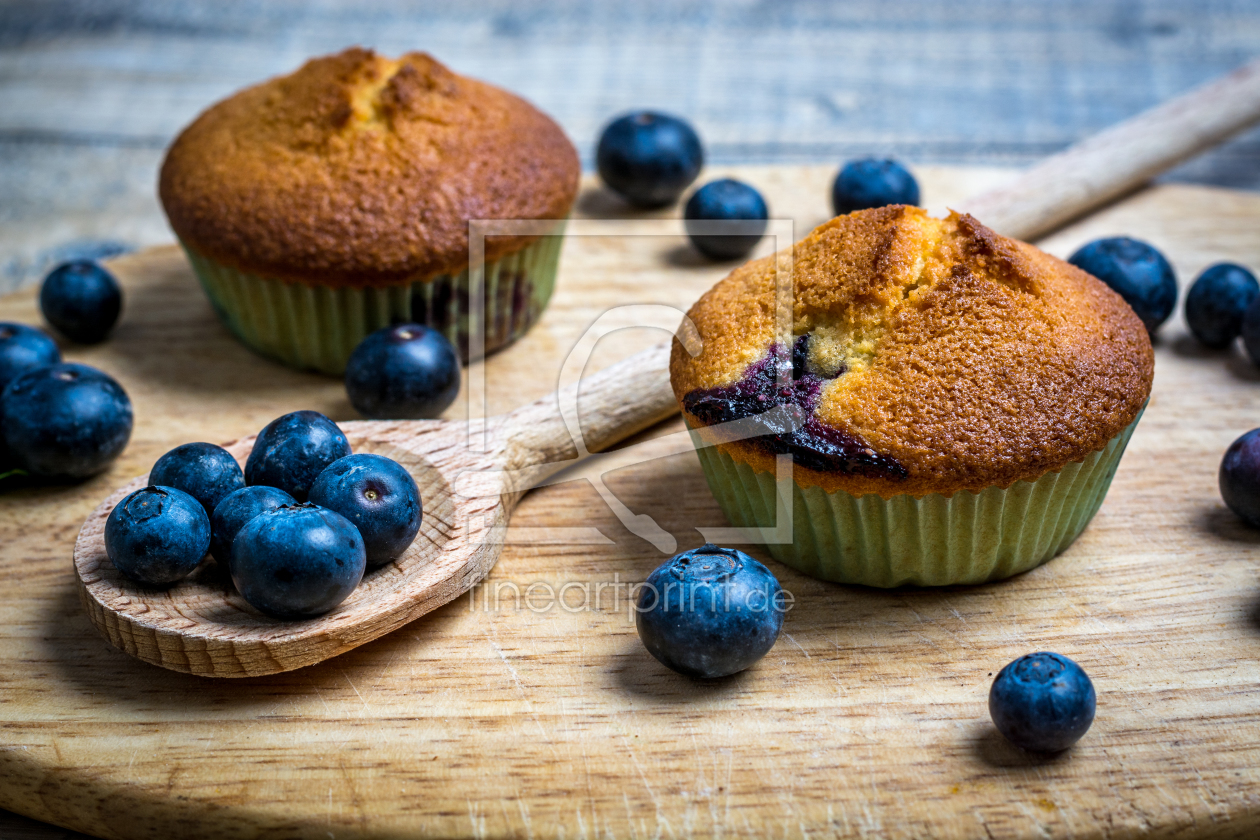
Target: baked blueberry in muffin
(796, 429)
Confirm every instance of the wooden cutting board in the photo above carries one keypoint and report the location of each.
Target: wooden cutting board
(526, 718)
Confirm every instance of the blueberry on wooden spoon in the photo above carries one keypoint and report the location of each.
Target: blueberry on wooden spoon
(378, 496)
(204, 471)
(297, 561)
(291, 451)
(235, 512)
(157, 535)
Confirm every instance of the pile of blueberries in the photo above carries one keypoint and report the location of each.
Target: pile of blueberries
(650, 159)
(711, 612)
(60, 420)
(296, 528)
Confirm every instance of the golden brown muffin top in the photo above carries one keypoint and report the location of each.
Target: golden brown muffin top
(360, 170)
(940, 356)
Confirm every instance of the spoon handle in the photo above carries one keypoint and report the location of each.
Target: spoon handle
(1121, 158)
(612, 405)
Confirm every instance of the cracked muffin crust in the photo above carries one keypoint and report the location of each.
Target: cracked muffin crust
(930, 356)
(360, 170)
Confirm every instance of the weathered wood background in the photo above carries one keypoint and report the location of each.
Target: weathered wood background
(92, 91)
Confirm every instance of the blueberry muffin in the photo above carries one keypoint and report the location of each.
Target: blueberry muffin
(320, 206)
(953, 403)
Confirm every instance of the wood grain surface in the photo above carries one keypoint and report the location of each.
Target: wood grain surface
(531, 711)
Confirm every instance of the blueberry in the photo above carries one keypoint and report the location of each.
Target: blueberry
(1216, 302)
(740, 207)
(871, 182)
(65, 420)
(82, 300)
(709, 612)
(236, 510)
(291, 452)
(405, 372)
(297, 560)
(1042, 702)
(24, 348)
(1251, 331)
(379, 496)
(648, 158)
(1239, 477)
(204, 471)
(157, 535)
(1135, 271)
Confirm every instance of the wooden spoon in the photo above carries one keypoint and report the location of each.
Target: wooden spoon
(202, 626)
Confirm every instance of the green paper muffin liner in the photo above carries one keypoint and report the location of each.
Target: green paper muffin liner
(318, 327)
(930, 541)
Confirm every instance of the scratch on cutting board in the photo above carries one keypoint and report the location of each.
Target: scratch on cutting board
(319, 694)
(798, 645)
(520, 686)
(727, 788)
(641, 828)
(586, 768)
(1036, 817)
(524, 809)
(350, 787)
(962, 639)
(1203, 786)
(356, 691)
(478, 821)
(656, 803)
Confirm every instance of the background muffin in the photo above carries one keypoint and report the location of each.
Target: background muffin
(961, 399)
(323, 205)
